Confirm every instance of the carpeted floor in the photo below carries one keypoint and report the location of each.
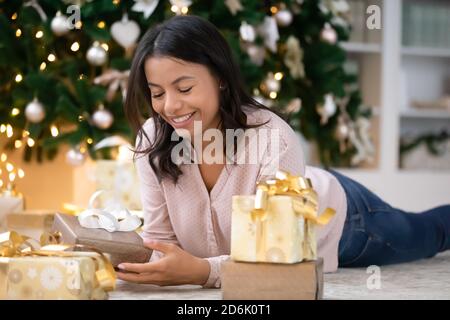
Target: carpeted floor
(424, 279)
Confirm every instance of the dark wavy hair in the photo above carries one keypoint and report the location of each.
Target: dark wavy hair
(196, 40)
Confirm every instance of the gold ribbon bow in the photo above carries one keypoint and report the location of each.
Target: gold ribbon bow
(115, 79)
(14, 245)
(304, 200)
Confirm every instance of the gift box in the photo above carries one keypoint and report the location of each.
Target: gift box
(121, 180)
(31, 223)
(283, 236)
(9, 204)
(272, 281)
(121, 246)
(46, 270)
(278, 223)
(50, 278)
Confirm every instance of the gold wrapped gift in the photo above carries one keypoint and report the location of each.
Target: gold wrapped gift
(278, 223)
(31, 223)
(50, 272)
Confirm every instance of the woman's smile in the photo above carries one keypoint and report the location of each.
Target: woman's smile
(182, 121)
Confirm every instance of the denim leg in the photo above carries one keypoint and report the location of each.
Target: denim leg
(376, 233)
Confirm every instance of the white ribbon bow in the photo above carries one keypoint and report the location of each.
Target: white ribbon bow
(113, 218)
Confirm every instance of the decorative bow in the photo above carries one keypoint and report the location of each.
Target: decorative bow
(115, 79)
(113, 218)
(13, 244)
(304, 202)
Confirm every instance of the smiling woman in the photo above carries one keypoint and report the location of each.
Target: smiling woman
(183, 73)
(182, 101)
(181, 67)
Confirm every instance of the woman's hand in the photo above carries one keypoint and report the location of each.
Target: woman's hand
(176, 267)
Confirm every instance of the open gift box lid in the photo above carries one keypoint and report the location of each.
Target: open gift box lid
(121, 246)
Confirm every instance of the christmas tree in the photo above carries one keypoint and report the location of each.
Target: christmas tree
(64, 68)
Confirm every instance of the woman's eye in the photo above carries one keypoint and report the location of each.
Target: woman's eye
(185, 90)
(156, 96)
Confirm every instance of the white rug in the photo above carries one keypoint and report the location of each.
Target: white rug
(424, 279)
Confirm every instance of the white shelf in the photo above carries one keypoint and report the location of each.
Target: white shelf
(425, 114)
(426, 52)
(382, 66)
(361, 47)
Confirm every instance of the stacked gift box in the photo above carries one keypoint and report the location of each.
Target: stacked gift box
(273, 242)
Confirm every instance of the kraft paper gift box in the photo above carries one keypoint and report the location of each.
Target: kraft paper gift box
(284, 236)
(121, 246)
(31, 223)
(52, 278)
(272, 281)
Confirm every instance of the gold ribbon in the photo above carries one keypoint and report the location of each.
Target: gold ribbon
(72, 209)
(14, 245)
(114, 79)
(304, 200)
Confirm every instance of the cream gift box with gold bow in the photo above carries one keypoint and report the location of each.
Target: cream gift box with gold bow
(49, 278)
(278, 223)
(28, 272)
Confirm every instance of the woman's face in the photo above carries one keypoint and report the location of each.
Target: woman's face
(183, 92)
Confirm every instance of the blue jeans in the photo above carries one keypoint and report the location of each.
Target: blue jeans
(377, 234)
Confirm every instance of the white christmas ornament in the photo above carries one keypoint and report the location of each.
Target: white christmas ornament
(145, 6)
(60, 24)
(97, 55)
(34, 111)
(75, 157)
(125, 32)
(247, 32)
(269, 31)
(284, 17)
(272, 84)
(327, 110)
(103, 118)
(328, 34)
